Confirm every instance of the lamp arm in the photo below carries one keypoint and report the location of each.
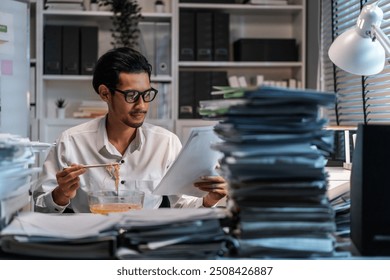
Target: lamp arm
(378, 34)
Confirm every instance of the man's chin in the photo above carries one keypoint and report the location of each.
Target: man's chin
(136, 125)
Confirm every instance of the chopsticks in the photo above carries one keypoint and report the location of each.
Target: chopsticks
(101, 165)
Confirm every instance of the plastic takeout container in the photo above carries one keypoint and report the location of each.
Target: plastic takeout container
(104, 202)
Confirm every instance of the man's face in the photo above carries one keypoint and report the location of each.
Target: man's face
(130, 114)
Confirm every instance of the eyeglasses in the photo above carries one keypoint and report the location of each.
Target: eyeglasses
(132, 96)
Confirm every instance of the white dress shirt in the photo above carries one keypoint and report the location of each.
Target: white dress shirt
(144, 163)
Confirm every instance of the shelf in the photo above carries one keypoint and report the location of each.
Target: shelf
(105, 14)
(245, 9)
(161, 78)
(67, 77)
(237, 64)
(89, 78)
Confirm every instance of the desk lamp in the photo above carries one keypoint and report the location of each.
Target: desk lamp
(362, 50)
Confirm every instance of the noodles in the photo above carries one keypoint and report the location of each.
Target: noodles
(113, 170)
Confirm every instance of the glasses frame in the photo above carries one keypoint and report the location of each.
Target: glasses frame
(139, 93)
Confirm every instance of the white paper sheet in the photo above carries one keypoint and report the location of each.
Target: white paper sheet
(196, 159)
(59, 226)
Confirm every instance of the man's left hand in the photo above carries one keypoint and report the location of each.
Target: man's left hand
(216, 186)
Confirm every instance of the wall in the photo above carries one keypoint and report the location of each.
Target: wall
(14, 67)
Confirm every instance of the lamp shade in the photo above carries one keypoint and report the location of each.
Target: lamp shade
(357, 55)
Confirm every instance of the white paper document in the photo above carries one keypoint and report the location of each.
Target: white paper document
(196, 159)
(59, 226)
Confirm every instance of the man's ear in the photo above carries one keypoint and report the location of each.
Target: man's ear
(104, 93)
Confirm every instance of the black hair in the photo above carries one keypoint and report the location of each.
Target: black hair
(116, 61)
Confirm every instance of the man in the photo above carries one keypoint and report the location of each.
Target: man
(145, 152)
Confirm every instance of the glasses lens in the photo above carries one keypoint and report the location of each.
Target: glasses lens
(132, 96)
(149, 95)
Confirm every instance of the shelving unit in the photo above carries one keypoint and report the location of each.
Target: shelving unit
(77, 88)
(246, 21)
(253, 21)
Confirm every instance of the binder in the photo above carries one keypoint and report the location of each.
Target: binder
(163, 48)
(202, 89)
(147, 43)
(70, 50)
(218, 78)
(52, 47)
(221, 36)
(186, 95)
(204, 36)
(88, 49)
(187, 36)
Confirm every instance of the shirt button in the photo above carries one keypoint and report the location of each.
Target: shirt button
(123, 181)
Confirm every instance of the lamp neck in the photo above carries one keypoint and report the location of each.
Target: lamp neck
(382, 38)
(371, 15)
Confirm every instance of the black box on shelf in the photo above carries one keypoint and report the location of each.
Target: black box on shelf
(250, 49)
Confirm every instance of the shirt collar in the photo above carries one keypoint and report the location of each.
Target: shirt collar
(139, 139)
(103, 145)
(101, 142)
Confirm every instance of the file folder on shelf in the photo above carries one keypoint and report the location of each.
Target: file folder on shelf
(221, 36)
(70, 50)
(52, 49)
(218, 78)
(186, 95)
(187, 36)
(88, 49)
(204, 36)
(202, 89)
(147, 42)
(163, 48)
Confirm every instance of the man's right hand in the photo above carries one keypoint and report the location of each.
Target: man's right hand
(68, 182)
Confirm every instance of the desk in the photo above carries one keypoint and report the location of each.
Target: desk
(338, 176)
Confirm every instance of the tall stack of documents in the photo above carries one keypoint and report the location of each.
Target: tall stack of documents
(16, 156)
(173, 234)
(274, 157)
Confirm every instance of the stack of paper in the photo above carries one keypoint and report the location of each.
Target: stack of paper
(16, 156)
(341, 201)
(142, 234)
(274, 157)
(173, 234)
(81, 236)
